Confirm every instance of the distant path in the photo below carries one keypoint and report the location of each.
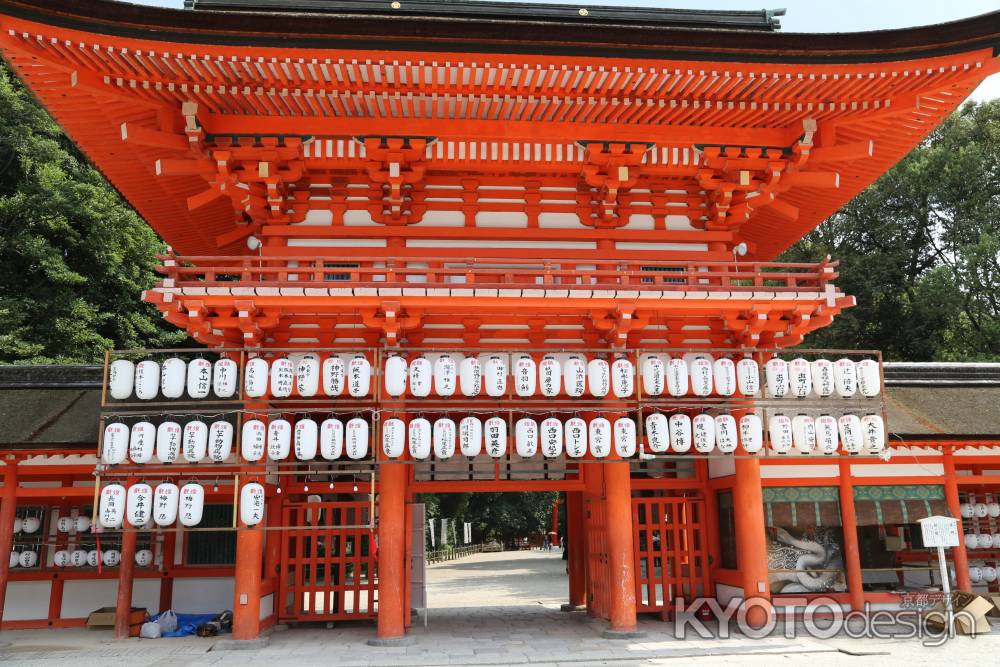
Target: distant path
(508, 578)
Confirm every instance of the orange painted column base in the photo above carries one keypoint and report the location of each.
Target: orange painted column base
(391, 556)
(852, 552)
(126, 573)
(751, 541)
(959, 557)
(621, 569)
(246, 593)
(576, 556)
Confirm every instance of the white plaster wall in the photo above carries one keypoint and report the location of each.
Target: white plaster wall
(721, 466)
(82, 596)
(898, 470)
(266, 606)
(791, 472)
(724, 593)
(27, 600)
(203, 595)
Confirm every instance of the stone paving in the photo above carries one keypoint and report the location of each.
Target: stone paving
(490, 609)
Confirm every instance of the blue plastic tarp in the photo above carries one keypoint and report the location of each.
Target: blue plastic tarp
(187, 624)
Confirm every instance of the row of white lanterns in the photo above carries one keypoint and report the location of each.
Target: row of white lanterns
(79, 558)
(65, 524)
(141, 503)
(979, 510)
(982, 541)
(694, 374)
(982, 573)
(27, 525)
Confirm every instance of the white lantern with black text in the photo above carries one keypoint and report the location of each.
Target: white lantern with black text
(526, 437)
(78, 558)
(195, 441)
(199, 378)
(254, 440)
(393, 437)
(680, 433)
(306, 439)
(470, 376)
(822, 377)
(525, 376)
(307, 375)
(495, 436)
(147, 380)
(31, 524)
(551, 436)
(726, 433)
(779, 429)
(703, 433)
(421, 377)
(470, 436)
(653, 375)
(82, 524)
(751, 433)
(356, 439)
(827, 438)
(804, 433)
(279, 439)
(93, 558)
(138, 504)
(255, 377)
(869, 380)
(799, 378)
(65, 524)
(420, 439)
(144, 557)
(845, 378)
(282, 377)
(359, 376)
(331, 439)
(444, 438)
(111, 557)
(28, 559)
(598, 377)
(748, 376)
(252, 503)
(600, 434)
(700, 370)
(550, 376)
(575, 433)
(395, 375)
(115, 445)
(850, 433)
(495, 376)
(191, 506)
(657, 433)
(575, 376)
(622, 378)
(225, 373)
(121, 379)
(173, 375)
(873, 433)
(776, 375)
(166, 499)
(333, 376)
(61, 558)
(677, 377)
(625, 437)
(724, 376)
(445, 376)
(168, 441)
(220, 441)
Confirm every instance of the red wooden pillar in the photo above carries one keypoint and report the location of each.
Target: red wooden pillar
(8, 510)
(554, 537)
(751, 539)
(391, 555)
(960, 559)
(576, 546)
(852, 552)
(126, 575)
(249, 562)
(593, 481)
(621, 556)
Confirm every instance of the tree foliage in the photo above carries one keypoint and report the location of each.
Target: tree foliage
(920, 249)
(494, 516)
(74, 257)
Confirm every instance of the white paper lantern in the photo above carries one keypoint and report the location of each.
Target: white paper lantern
(61, 558)
(525, 376)
(357, 439)
(966, 510)
(993, 509)
(191, 507)
(144, 557)
(420, 439)
(31, 524)
(138, 504)
(975, 574)
(81, 524)
(254, 440)
(255, 378)
(551, 437)
(751, 433)
(989, 573)
(657, 433)
(17, 525)
(827, 434)
(495, 437)
(600, 433)
(444, 438)
(804, 433)
(199, 378)
(703, 433)
(984, 541)
(700, 371)
(470, 436)
(575, 376)
(970, 541)
(114, 447)
(680, 433)
(726, 433)
(779, 428)
(575, 437)
(845, 377)
(653, 375)
(799, 378)
(147, 380)
(333, 376)
(622, 378)
(724, 376)
(748, 376)
(393, 437)
(111, 557)
(776, 375)
(359, 376)
(195, 441)
(14, 559)
(598, 377)
(65, 524)
(93, 558)
(822, 377)
(121, 379)
(78, 558)
(678, 381)
(981, 510)
(625, 437)
(225, 373)
(306, 439)
(220, 441)
(395, 376)
(28, 559)
(445, 376)
(470, 376)
(279, 439)
(526, 437)
(850, 433)
(166, 497)
(252, 502)
(495, 376)
(421, 377)
(307, 376)
(142, 440)
(869, 379)
(331, 439)
(282, 377)
(550, 376)
(173, 376)
(168, 441)
(873, 433)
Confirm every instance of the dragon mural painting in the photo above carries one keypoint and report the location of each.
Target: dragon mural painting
(811, 562)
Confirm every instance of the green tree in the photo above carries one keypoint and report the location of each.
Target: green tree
(74, 257)
(919, 249)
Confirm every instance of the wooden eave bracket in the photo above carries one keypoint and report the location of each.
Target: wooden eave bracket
(612, 169)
